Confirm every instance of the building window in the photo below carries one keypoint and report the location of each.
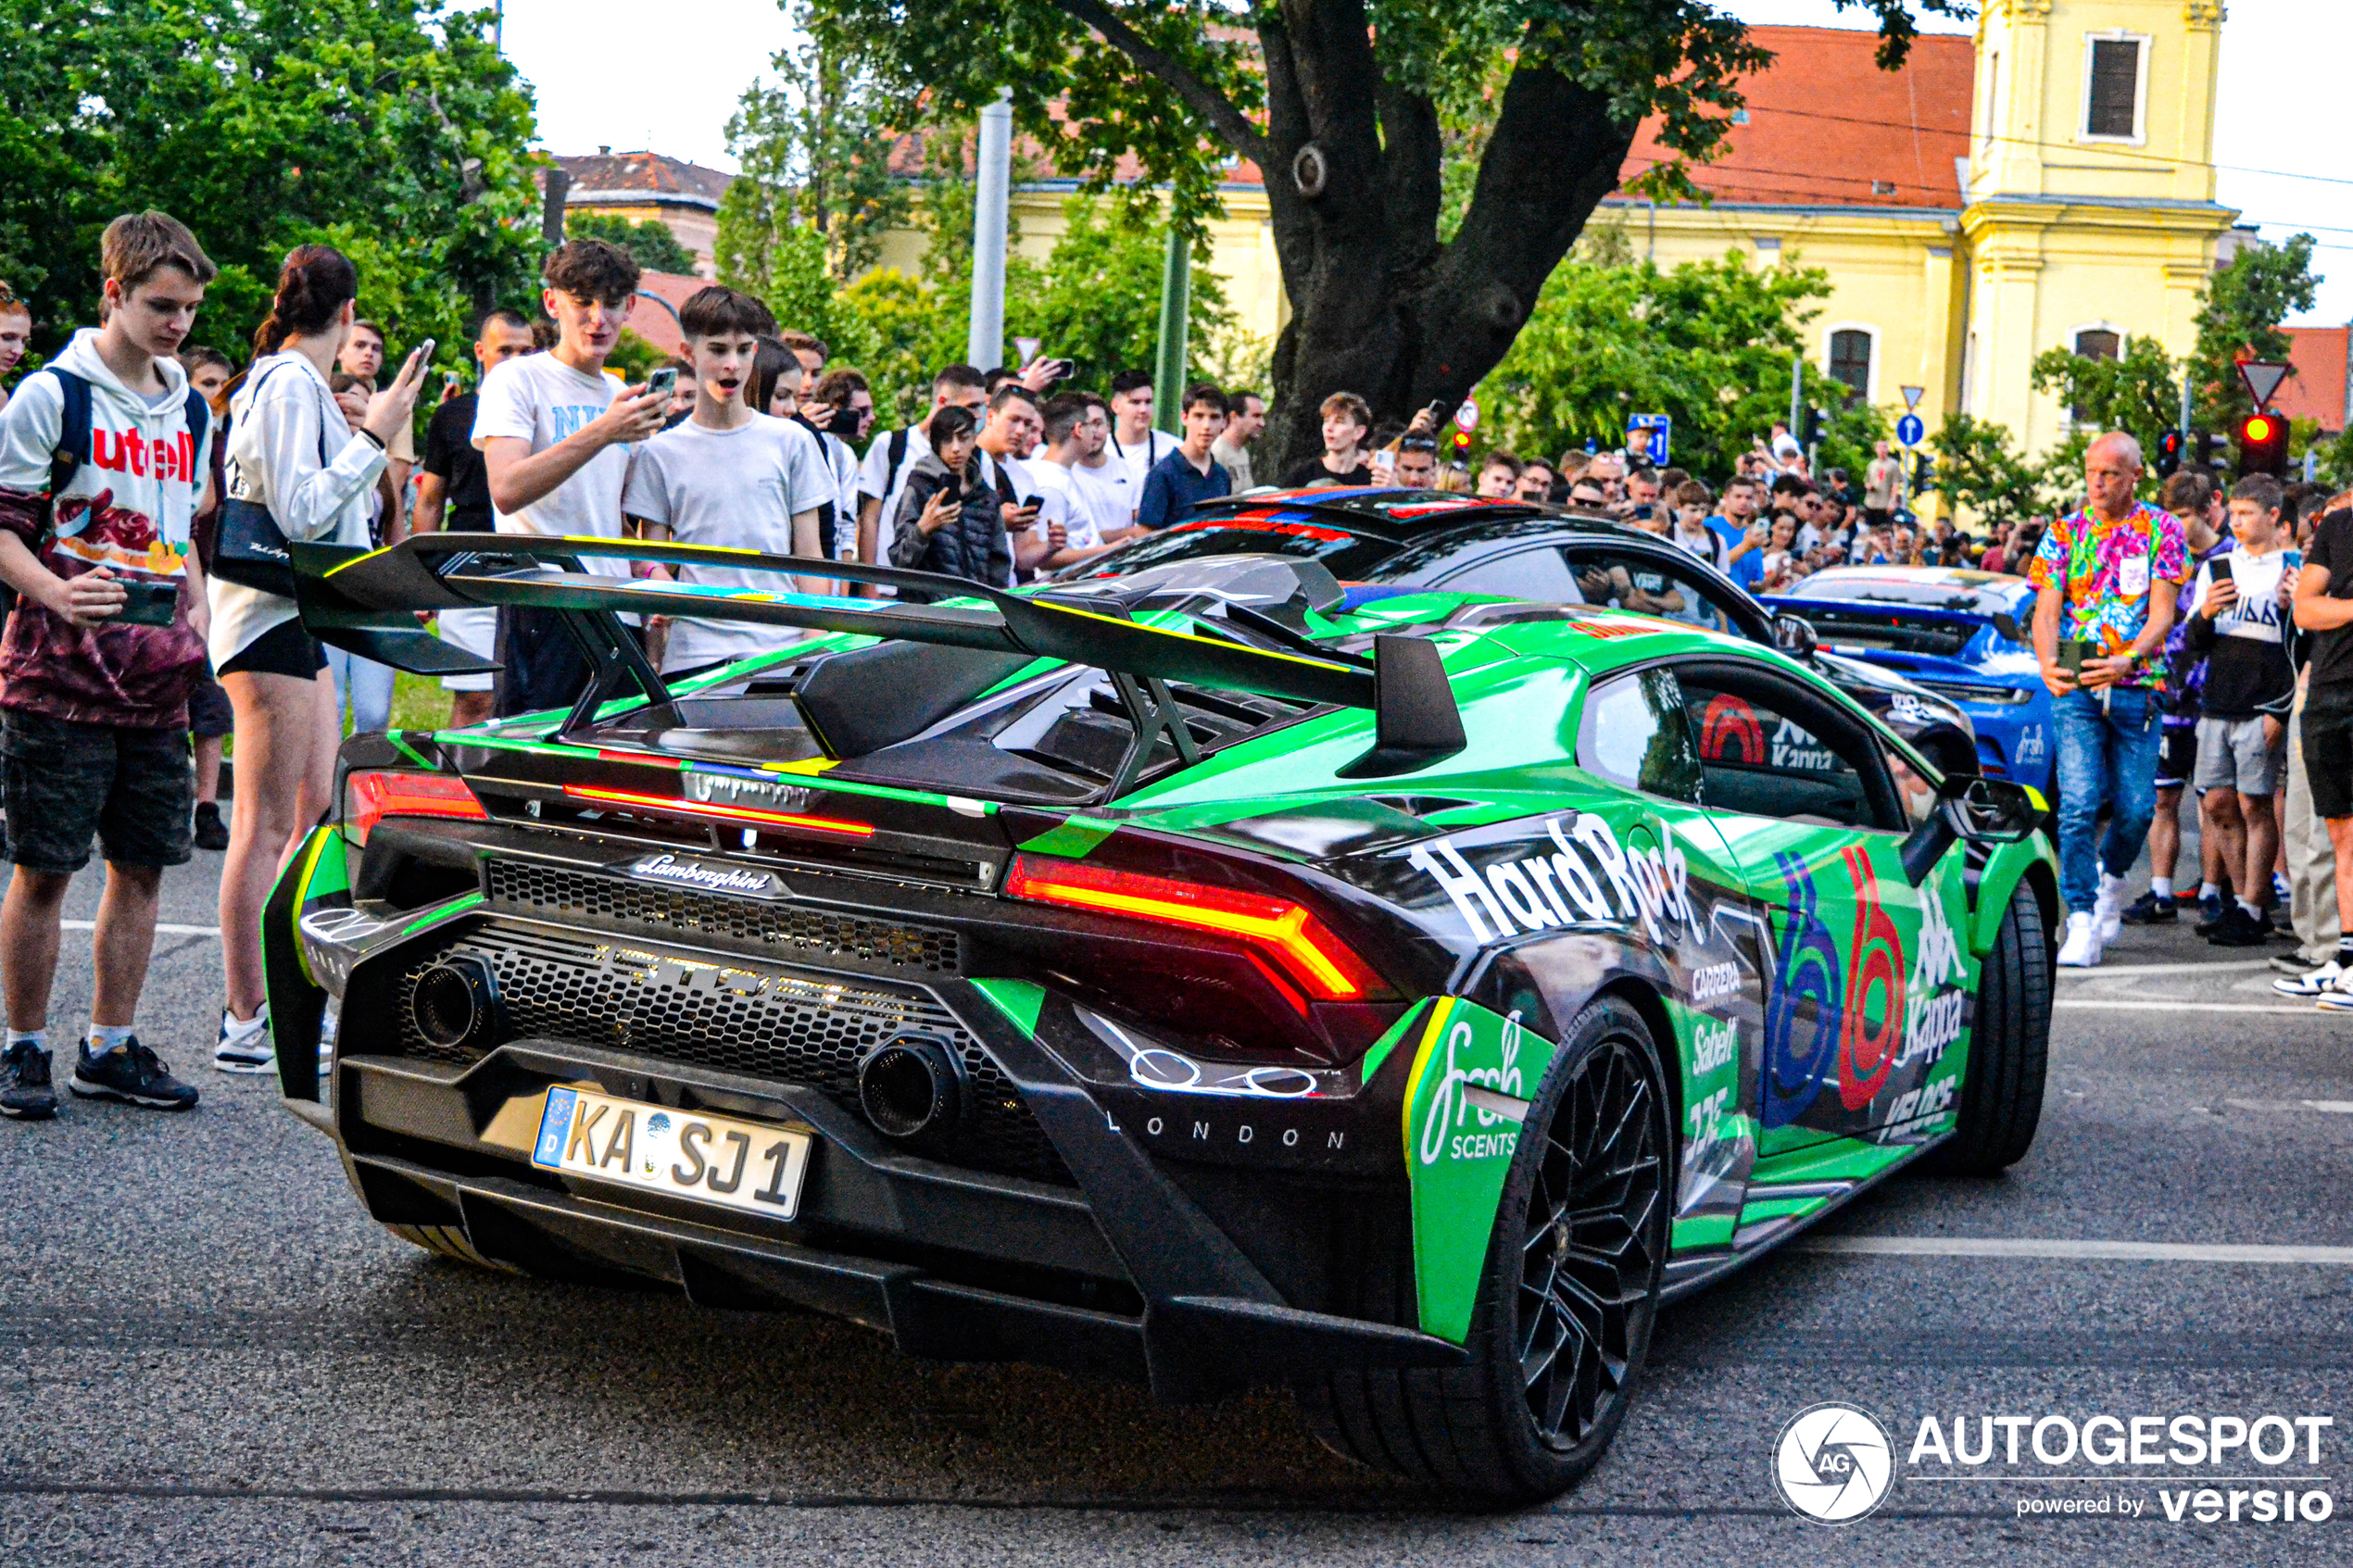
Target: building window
(1851, 361)
(2099, 342)
(2113, 73)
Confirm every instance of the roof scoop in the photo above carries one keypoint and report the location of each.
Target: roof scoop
(1415, 722)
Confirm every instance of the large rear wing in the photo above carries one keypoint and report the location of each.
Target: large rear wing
(367, 602)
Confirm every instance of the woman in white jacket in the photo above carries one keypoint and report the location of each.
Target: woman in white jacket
(292, 453)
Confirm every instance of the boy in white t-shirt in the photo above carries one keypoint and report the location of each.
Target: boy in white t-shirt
(732, 476)
(554, 431)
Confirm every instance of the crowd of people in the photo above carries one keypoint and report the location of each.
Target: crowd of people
(149, 485)
(2203, 647)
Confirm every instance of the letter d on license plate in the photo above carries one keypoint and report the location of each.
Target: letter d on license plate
(708, 1159)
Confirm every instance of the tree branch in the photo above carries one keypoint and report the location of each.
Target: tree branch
(1204, 100)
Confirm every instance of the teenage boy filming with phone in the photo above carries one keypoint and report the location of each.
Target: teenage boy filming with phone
(106, 640)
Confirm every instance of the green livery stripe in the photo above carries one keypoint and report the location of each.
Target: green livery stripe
(1438, 1016)
(1018, 999)
(434, 917)
(310, 855)
(411, 752)
(1072, 840)
(1380, 1048)
(1707, 1230)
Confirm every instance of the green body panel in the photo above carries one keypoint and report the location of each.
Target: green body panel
(1399, 1032)
(1457, 1155)
(1072, 840)
(1018, 999)
(2005, 868)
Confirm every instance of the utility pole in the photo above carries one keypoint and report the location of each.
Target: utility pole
(1796, 389)
(986, 345)
(2187, 409)
(1176, 311)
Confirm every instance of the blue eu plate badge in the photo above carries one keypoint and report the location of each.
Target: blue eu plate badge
(554, 1122)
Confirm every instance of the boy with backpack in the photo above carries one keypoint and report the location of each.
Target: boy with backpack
(103, 465)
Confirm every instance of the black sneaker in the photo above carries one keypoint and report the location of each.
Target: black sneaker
(211, 832)
(25, 1093)
(2150, 909)
(2239, 929)
(130, 1072)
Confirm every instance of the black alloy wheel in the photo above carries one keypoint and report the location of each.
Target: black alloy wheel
(1589, 1258)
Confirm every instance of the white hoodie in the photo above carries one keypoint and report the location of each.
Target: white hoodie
(128, 508)
(280, 421)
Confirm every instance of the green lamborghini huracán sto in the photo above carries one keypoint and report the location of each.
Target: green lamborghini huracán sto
(1175, 977)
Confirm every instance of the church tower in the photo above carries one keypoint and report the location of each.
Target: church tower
(2090, 215)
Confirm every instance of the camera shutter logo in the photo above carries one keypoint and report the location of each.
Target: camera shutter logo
(1833, 1464)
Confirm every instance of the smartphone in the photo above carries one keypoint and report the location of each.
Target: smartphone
(2220, 567)
(1439, 410)
(2071, 654)
(662, 382)
(151, 602)
(450, 380)
(844, 423)
(424, 350)
(954, 487)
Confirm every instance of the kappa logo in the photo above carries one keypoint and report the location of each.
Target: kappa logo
(1589, 876)
(1933, 1013)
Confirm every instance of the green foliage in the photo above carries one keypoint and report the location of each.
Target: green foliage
(1708, 344)
(395, 129)
(2240, 309)
(648, 241)
(2139, 391)
(815, 193)
(1097, 305)
(633, 359)
(1174, 88)
(1980, 473)
(1848, 436)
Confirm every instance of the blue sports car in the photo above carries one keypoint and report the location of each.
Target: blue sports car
(1964, 634)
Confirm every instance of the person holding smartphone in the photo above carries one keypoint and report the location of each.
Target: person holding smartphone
(2105, 577)
(949, 521)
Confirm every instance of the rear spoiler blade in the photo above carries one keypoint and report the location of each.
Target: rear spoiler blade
(367, 601)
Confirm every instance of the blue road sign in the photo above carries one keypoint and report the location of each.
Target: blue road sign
(1647, 435)
(1910, 429)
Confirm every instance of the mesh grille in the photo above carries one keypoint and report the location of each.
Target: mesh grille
(552, 893)
(755, 1021)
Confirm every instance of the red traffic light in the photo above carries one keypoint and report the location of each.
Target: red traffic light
(1462, 441)
(2257, 430)
(2263, 445)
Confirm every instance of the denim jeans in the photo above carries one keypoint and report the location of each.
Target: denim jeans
(362, 686)
(2106, 756)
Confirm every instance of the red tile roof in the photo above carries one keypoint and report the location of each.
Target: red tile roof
(647, 177)
(651, 322)
(1828, 127)
(2317, 389)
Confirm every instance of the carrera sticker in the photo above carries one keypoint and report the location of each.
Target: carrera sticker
(1473, 1076)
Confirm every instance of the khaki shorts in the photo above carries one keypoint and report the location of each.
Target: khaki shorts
(2232, 754)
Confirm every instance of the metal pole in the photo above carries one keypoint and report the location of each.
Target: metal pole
(2188, 411)
(986, 346)
(551, 208)
(1175, 310)
(1796, 390)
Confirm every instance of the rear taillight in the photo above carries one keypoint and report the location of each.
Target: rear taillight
(1307, 958)
(369, 798)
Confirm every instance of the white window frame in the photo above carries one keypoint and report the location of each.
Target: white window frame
(2123, 338)
(1870, 387)
(2139, 137)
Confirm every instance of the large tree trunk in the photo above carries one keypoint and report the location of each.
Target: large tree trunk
(1353, 178)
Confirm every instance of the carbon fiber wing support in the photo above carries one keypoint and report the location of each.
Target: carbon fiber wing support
(367, 601)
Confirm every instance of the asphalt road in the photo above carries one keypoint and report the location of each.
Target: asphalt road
(208, 1356)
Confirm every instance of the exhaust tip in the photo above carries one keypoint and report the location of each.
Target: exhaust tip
(910, 1087)
(456, 1003)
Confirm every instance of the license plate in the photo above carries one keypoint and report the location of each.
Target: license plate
(711, 1159)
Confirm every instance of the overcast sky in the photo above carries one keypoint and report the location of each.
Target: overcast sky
(672, 91)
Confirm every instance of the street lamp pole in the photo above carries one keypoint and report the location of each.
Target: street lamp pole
(1175, 310)
(986, 344)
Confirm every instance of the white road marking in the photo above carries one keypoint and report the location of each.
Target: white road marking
(2113, 971)
(2165, 1004)
(2119, 1252)
(161, 928)
(2340, 1107)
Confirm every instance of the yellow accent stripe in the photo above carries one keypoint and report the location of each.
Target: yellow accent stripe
(1188, 636)
(302, 886)
(1438, 1016)
(806, 765)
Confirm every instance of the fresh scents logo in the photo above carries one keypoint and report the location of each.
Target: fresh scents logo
(1833, 1464)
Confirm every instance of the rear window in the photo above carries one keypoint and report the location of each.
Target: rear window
(1347, 555)
(1991, 594)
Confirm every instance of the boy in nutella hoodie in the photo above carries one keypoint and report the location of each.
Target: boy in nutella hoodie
(107, 637)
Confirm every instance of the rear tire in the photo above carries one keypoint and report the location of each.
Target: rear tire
(2001, 1099)
(1571, 1290)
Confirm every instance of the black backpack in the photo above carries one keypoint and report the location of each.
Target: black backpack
(73, 448)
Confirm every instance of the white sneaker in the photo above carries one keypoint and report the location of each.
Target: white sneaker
(2338, 997)
(244, 1047)
(2312, 983)
(2109, 909)
(2081, 948)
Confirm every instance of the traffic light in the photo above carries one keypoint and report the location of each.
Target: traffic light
(1811, 436)
(2264, 445)
(2171, 447)
(1923, 473)
(2209, 448)
(1462, 442)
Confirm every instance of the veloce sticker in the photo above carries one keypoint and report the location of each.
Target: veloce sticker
(1474, 1074)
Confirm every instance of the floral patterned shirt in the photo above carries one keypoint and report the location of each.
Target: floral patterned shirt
(2104, 572)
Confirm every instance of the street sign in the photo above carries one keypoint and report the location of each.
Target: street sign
(1912, 395)
(1910, 429)
(1647, 434)
(1025, 349)
(2262, 378)
(1466, 416)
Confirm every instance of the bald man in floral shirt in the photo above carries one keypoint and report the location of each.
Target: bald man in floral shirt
(2106, 577)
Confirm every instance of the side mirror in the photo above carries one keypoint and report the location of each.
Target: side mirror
(1991, 810)
(1794, 636)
